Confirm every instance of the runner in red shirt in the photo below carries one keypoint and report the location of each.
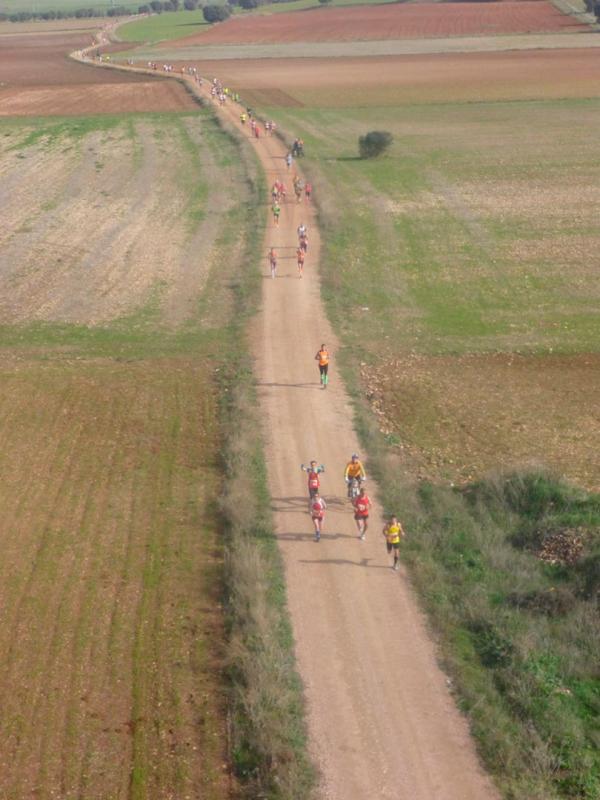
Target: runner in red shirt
(313, 471)
(361, 504)
(317, 513)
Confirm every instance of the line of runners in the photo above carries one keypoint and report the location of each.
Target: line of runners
(354, 474)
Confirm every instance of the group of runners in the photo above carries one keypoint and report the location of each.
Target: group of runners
(354, 473)
(392, 531)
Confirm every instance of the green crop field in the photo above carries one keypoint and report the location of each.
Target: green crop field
(160, 27)
(38, 6)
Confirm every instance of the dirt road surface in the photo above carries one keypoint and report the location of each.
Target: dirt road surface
(382, 722)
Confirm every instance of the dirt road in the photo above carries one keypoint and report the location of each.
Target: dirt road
(381, 719)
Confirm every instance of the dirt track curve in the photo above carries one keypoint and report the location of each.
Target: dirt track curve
(382, 723)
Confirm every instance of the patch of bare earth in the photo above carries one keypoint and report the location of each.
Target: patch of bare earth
(96, 228)
(393, 21)
(110, 619)
(456, 417)
(389, 80)
(38, 79)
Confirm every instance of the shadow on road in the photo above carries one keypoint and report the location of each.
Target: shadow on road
(301, 503)
(292, 385)
(364, 562)
(309, 536)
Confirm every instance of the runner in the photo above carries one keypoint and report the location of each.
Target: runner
(304, 244)
(243, 118)
(276, 209)
(301, 230)
(393, 533)
(323, 358)
(317, 513)
(288, 160)
(300, 261)
(361, 504)
(313, 471)
(308, 191)
(272, 261)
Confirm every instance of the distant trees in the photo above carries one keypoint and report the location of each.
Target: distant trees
(374, 143)
(212, 13)
(216, 13)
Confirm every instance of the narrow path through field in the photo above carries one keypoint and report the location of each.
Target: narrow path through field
(382, 723)
(381, 719)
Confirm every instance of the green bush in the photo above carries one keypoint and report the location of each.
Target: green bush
(216, 13)
(374, 143)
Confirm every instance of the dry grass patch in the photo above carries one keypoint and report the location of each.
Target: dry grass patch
(453, 418)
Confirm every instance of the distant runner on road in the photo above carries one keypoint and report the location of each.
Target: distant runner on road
(300, 260)
(276, 209)
(323, 358)
(317, 513)
(272, 256)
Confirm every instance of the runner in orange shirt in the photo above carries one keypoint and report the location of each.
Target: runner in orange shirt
(323, 358)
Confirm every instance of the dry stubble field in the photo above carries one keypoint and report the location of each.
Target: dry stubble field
(111, 328)
(88, 237)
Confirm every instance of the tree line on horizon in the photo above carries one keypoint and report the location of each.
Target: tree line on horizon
(212, 12)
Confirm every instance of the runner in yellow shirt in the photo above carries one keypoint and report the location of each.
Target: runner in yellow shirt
(393, 533)
(354, 470)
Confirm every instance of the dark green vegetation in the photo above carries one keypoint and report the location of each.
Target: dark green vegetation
(216, 13)
(476, 235)
(374, 143)
(128, 629)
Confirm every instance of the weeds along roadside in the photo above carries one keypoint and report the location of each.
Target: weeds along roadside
(520, 638)
(267, 723)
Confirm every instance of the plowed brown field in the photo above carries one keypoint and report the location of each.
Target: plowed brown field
(105, 688)
(388, 22)
(390, 80)
(38, 78)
